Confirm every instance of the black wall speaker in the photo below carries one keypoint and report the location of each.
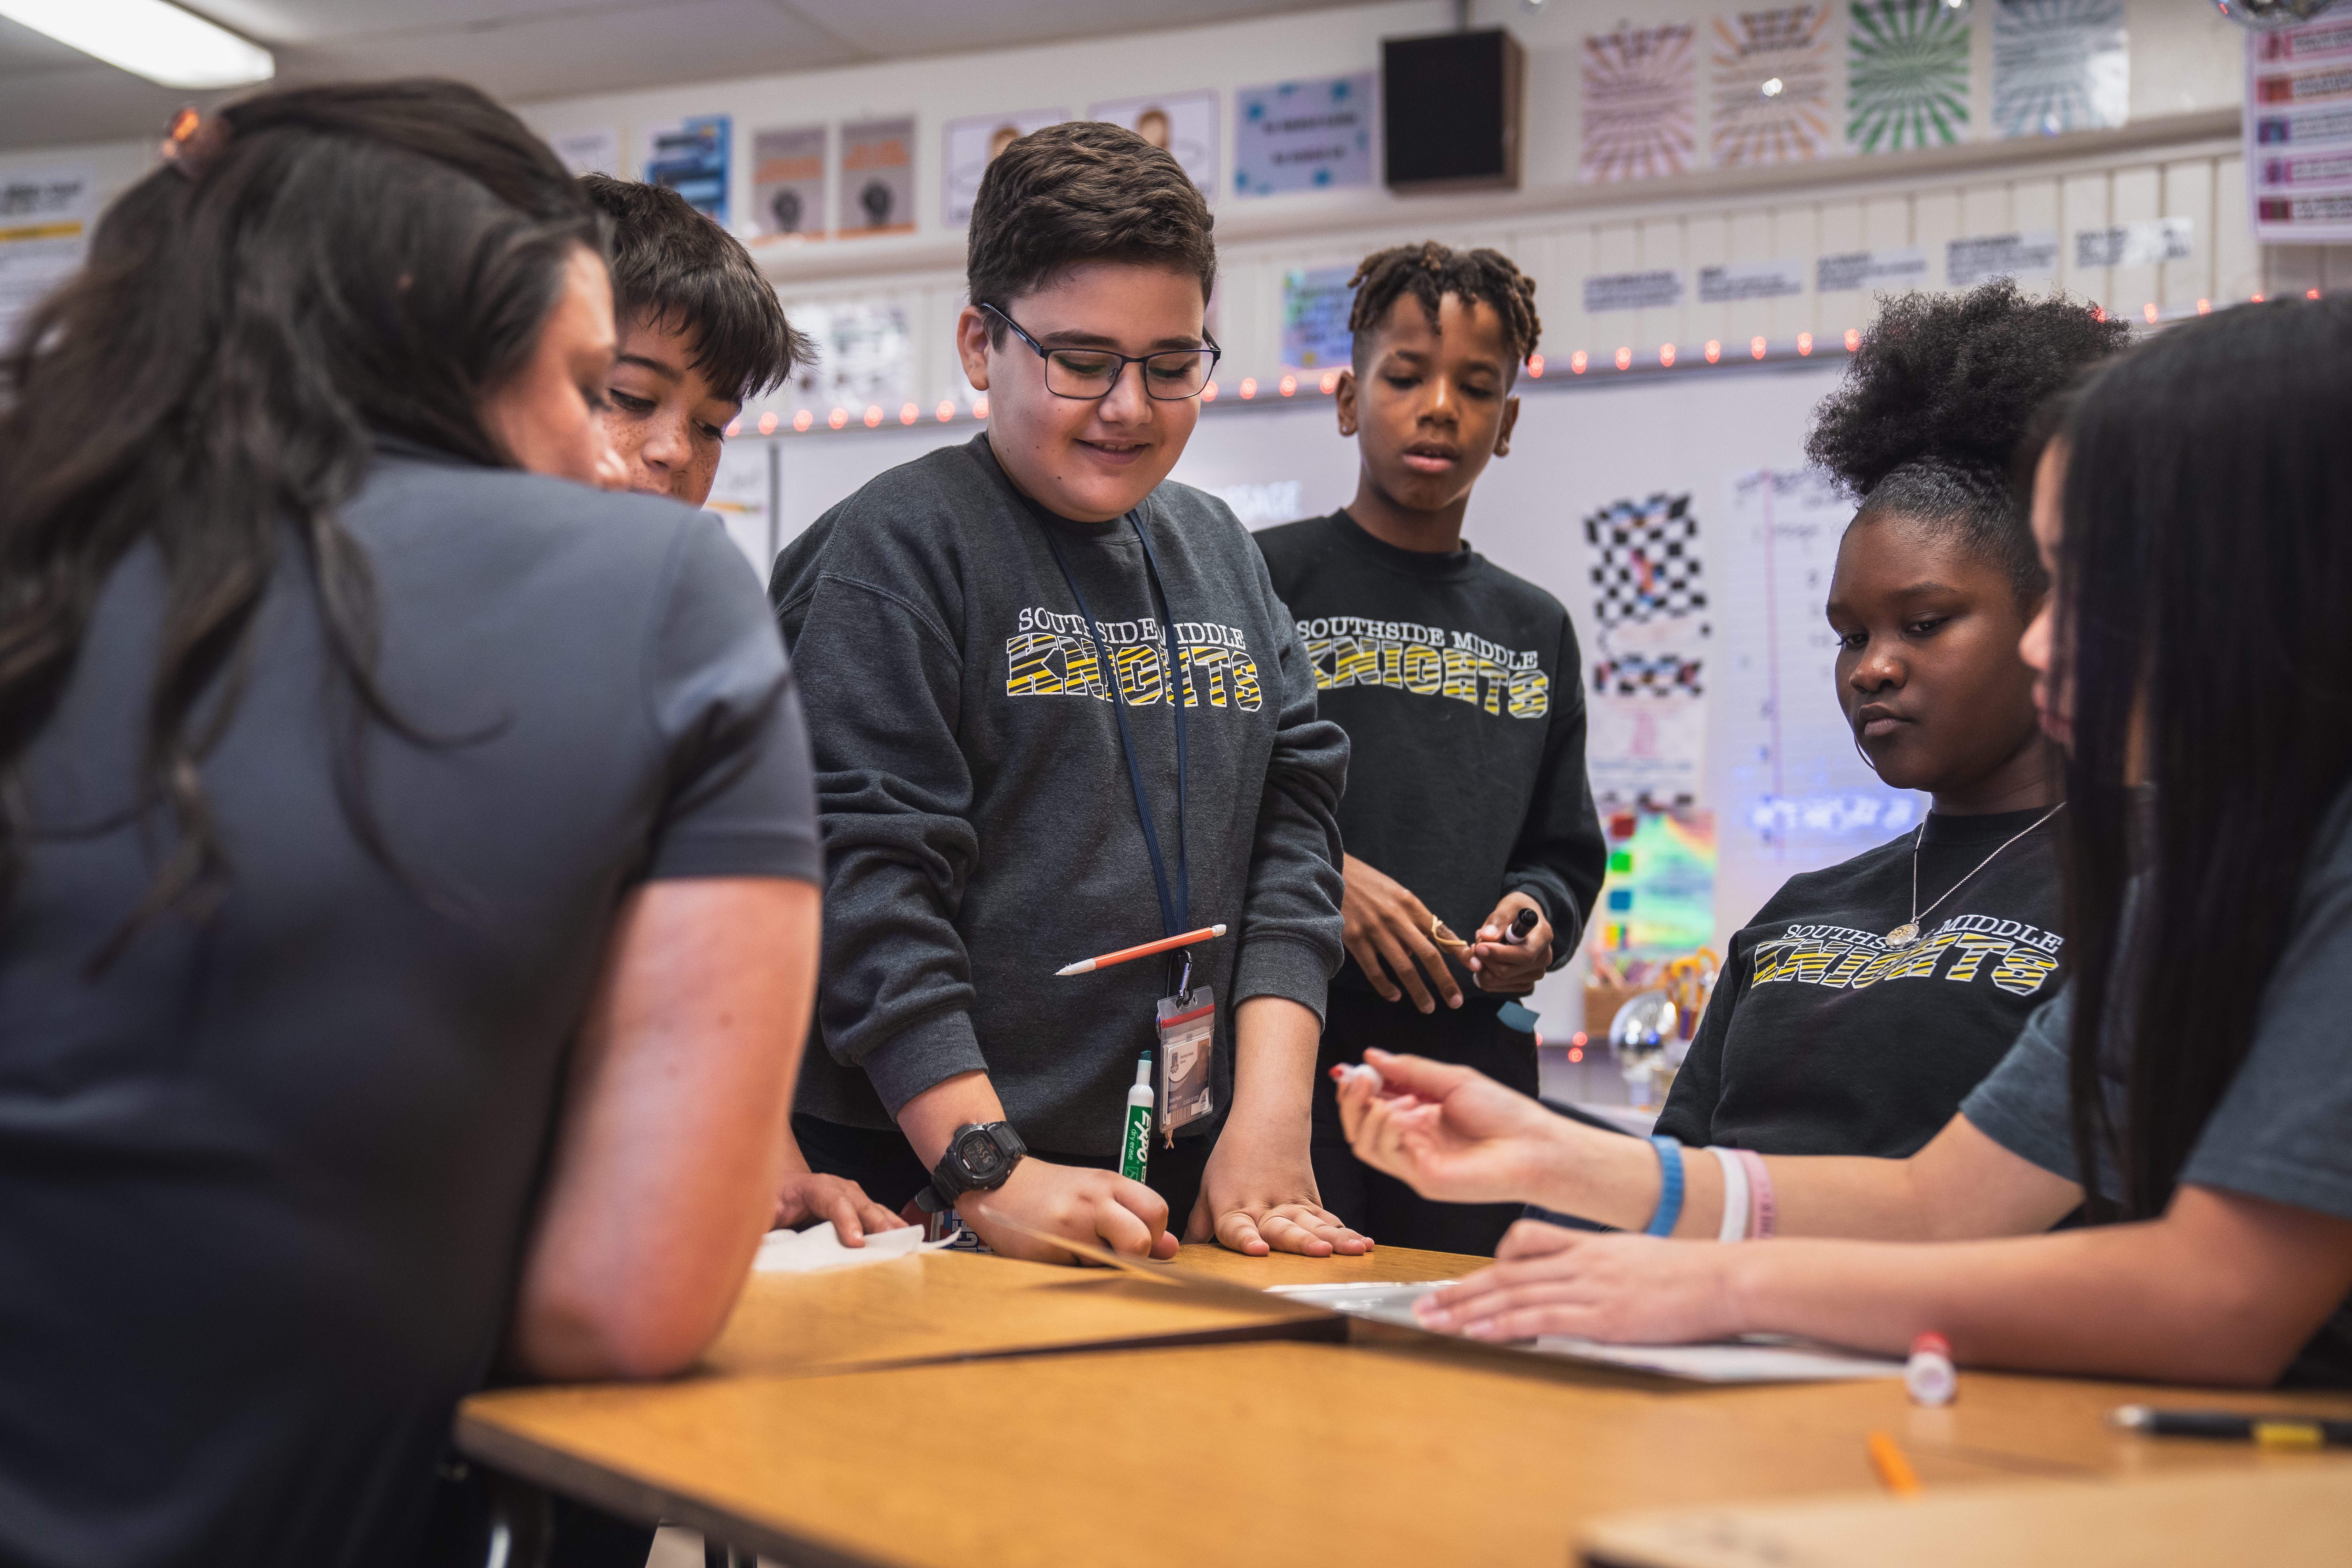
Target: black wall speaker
(1450, 110)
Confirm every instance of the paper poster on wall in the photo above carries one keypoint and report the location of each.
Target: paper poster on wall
(1769, 85)
(1740, 283)
(1315, 304)
(1308, 135)
(1844, 271)
(1183, 123)
(1791, 791)
(2148, 242)
(1660, 288)
(2059, 66)
(866, 360)
(690, 157)
(877, 177)
(45, 219)
(1980, 258)
(2298, 131)
(967, 147)
(596, 152)
(788, 183)
(1906, 75)
(1646, 728)
(742, 495)
(1659, 896)
(1640, 104)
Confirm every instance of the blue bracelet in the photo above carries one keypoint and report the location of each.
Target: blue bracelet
(1670, 1190)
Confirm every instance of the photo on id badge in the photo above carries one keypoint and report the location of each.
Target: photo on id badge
(1187, 1028)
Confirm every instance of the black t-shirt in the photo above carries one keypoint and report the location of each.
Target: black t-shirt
(1460, 688)
(1821, 1039)
(265, 1183)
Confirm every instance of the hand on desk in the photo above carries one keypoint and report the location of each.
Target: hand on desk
(1547, 1280)
(1258, 1200)
(1508, 968)
(1449, 1132)
(807, 1198)
(1100, 1207)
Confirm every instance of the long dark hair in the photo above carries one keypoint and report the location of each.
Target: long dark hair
(326, 265)
(2205, 569)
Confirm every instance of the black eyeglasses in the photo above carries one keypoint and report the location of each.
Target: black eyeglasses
(1170, 375)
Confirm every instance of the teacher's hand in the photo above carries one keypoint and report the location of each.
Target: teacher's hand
(1260, 1200)
(1634, 1290)
(807, 1198)
(1449, 1132)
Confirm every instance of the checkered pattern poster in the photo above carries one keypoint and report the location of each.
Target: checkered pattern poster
(1647, 718)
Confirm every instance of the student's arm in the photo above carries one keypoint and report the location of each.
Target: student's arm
(2224, 1288)
(1560, 856)
(1259, 1190)
(668, 1149)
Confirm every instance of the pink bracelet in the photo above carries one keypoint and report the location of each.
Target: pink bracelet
(1759, 1195)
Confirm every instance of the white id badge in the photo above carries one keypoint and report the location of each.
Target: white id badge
(1188, 1043)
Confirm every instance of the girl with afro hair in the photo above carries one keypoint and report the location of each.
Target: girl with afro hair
(1866, 999)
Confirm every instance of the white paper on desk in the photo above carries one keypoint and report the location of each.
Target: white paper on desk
(1756, 1358)
(819, 1248)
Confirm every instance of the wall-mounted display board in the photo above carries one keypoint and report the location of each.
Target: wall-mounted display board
(691, 157)
(788, 183)
(2298, 120)
(1312, 135)
(877, 177)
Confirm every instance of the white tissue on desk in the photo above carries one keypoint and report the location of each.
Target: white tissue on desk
(819, 1248)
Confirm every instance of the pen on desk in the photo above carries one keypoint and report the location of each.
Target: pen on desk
(1165, 944)
(1892, 1467)
(2270, 1431)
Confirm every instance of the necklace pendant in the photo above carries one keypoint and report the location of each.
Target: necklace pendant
(1904, 935)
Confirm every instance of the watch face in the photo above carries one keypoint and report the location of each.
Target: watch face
(977, 1153)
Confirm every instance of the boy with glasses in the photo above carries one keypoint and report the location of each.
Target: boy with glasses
(1057, 711)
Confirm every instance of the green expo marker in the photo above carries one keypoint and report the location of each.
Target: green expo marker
(1135, 1149)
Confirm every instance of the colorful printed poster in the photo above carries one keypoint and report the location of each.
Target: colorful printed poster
(45, 219)
(690, 157)
(1304, 135)
(1660, 891)
(877, 177)
(788, 183)
(2298, 120)
(1791, 791)
(2059, 66)
(969, 146)
(1906, 75)
(1183, 123)
(1315, 305)
(1640, 104)
(1646, 717)
(865, 360)
(596, 152)
(1768, 79)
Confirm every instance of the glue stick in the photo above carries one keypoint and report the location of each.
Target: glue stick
(1928, 1375)
(1135, 1149)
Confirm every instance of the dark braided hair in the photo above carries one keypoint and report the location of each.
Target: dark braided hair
(1429, 272)
(1935, 402)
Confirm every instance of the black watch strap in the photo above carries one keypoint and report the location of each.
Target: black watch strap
(997, 1148)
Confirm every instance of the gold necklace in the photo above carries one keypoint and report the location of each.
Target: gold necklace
(1906, 933)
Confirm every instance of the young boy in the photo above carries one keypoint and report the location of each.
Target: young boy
(1459, 687)
(700, 332)
(1058, 711)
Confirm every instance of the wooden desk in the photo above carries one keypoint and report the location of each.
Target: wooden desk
(1381, 1264)
(1273, 1453)
(942, 1306)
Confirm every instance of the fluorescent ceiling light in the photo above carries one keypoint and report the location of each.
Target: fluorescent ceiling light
(149, 38)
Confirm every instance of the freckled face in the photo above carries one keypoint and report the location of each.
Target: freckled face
(666, 421)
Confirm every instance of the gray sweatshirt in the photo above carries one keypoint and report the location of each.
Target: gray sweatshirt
(980, 831)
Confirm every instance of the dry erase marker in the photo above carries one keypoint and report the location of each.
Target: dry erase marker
(1522, 923)
(1135, 1149)
(2270, 1431)
(1928, 1375)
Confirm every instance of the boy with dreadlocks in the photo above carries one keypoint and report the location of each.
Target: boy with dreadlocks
(1458, 685)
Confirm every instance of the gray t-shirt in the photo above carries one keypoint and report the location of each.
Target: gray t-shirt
(2283, 1129)
(265, 1183)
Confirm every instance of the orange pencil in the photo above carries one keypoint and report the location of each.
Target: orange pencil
(1892, 1467)
(1165, 944)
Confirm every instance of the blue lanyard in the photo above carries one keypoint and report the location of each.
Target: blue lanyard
(1174, 911)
